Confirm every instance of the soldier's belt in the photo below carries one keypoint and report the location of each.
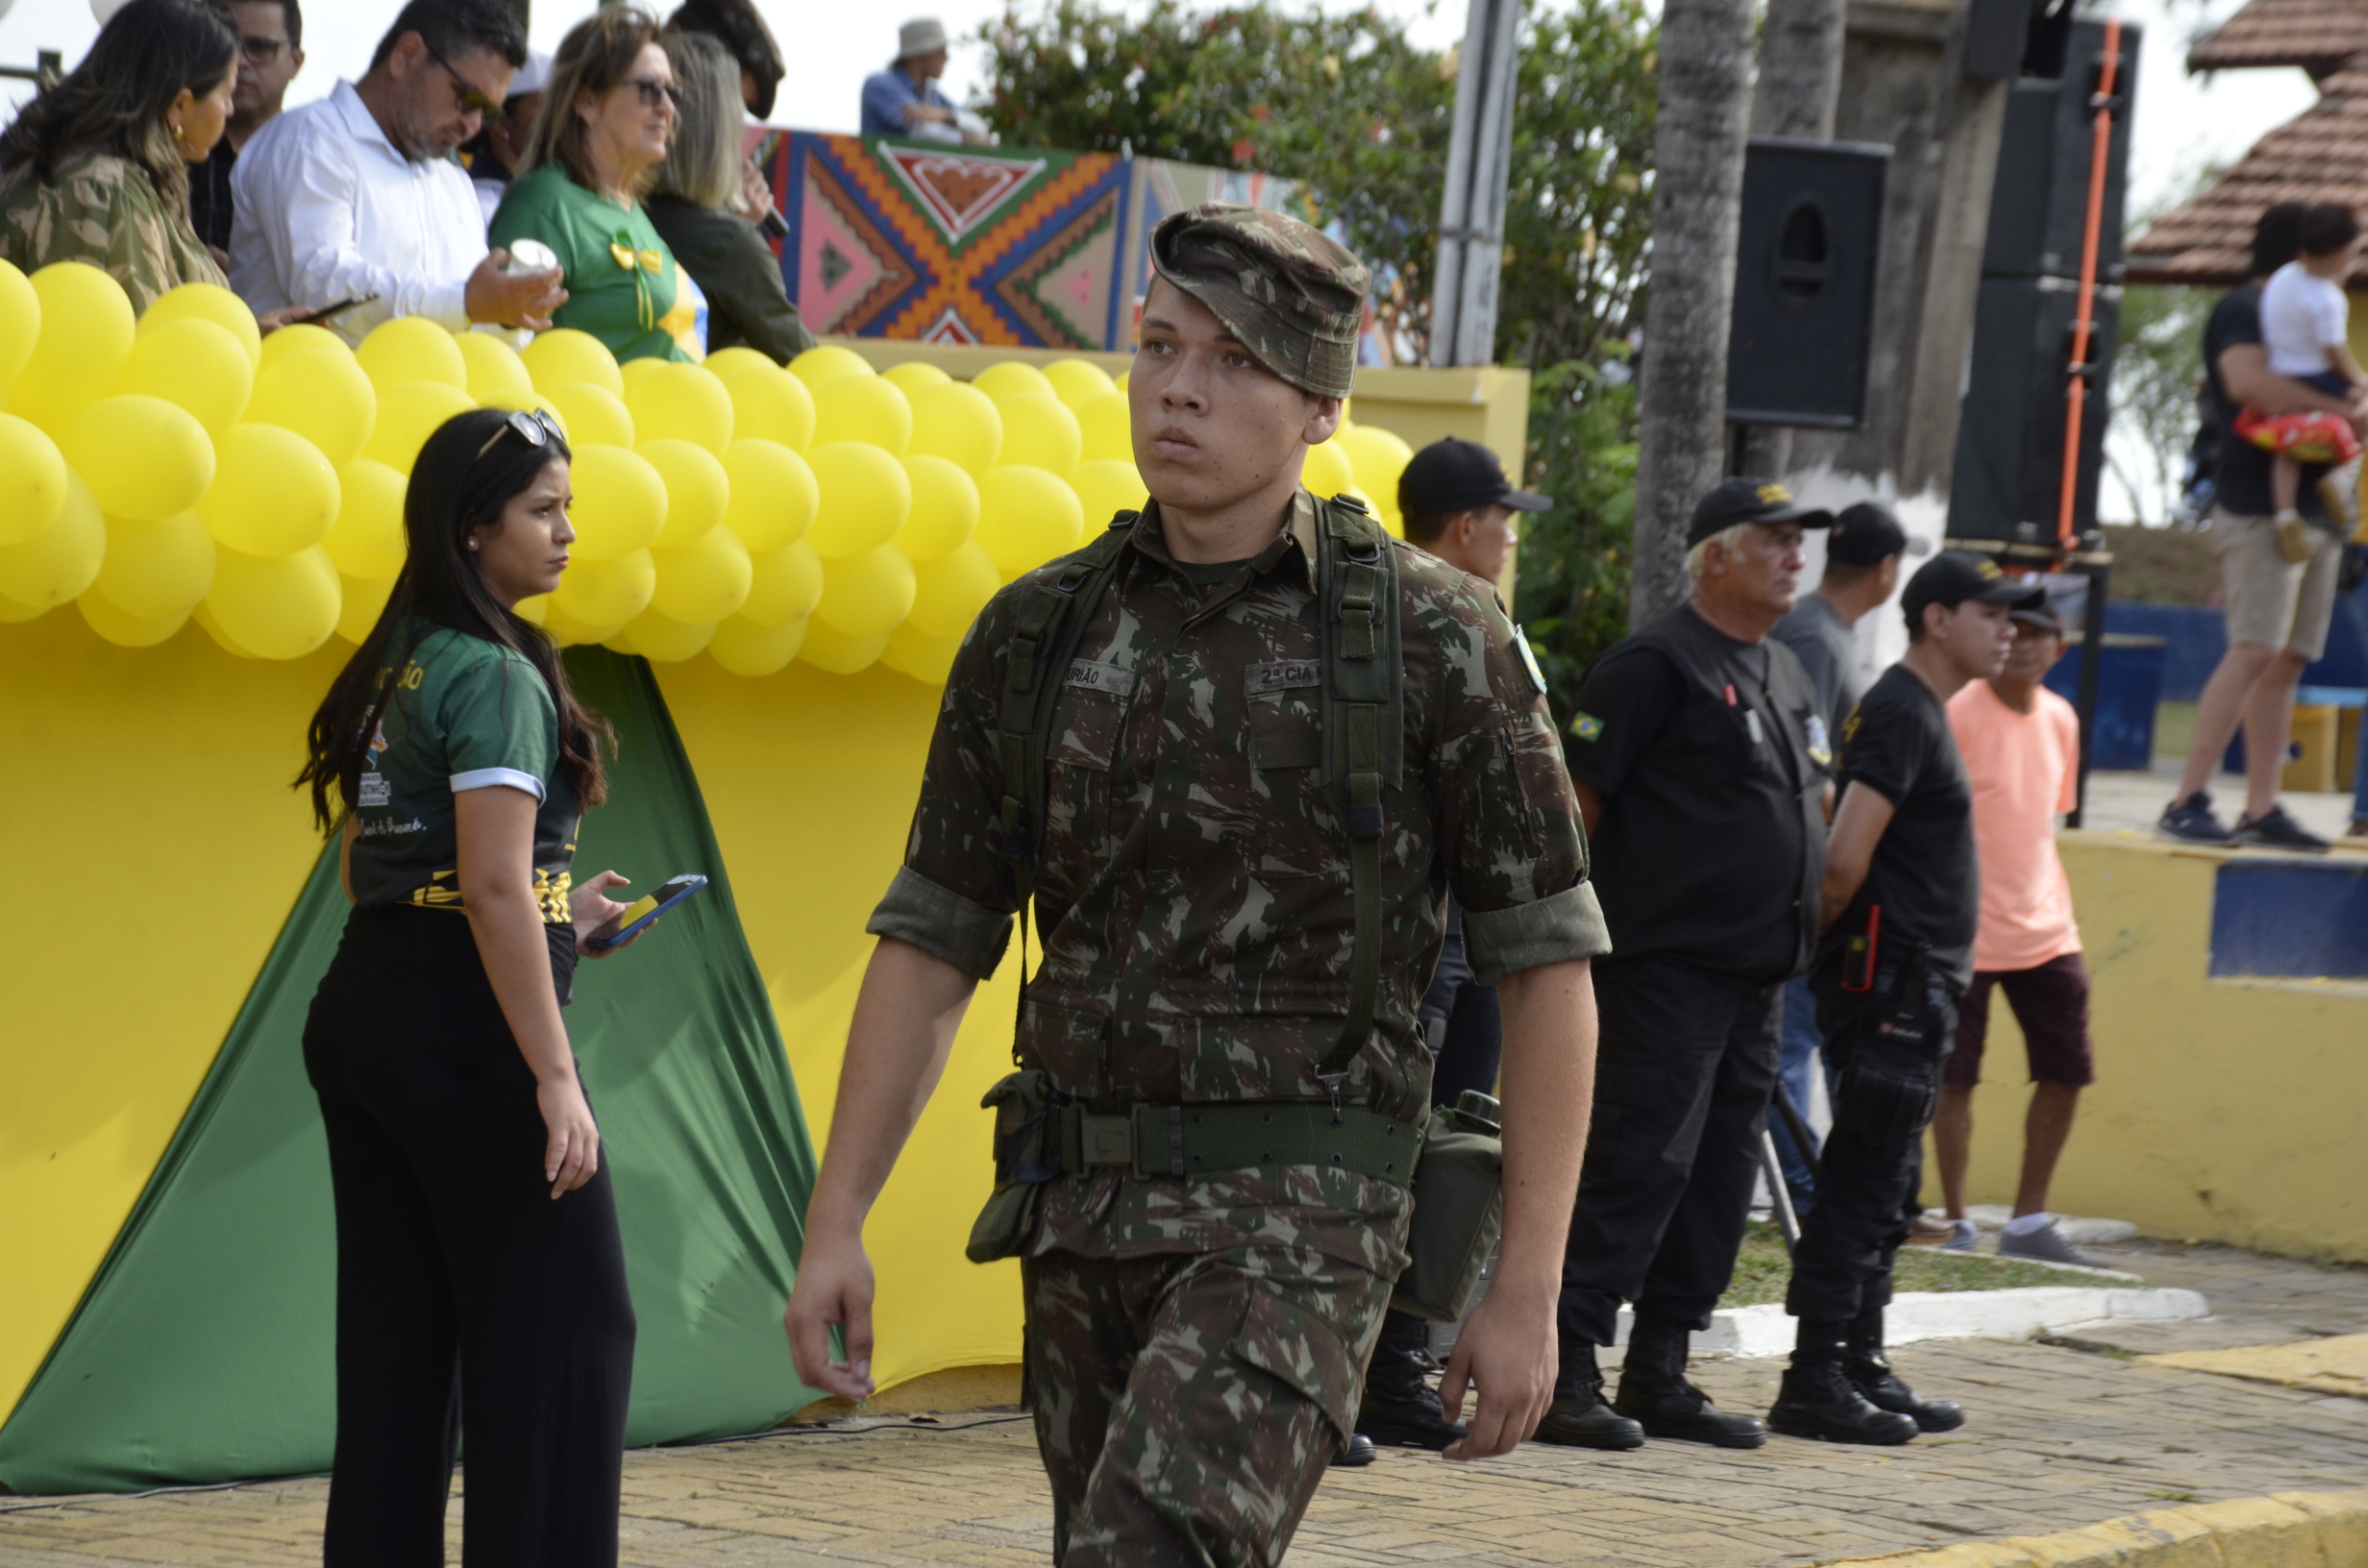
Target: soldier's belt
(1197, 1139)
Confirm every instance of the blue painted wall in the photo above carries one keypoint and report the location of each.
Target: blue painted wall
(2195, 638)
(2291, 918)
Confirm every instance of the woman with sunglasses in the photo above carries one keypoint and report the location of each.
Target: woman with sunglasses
(599, 139)
(481, 1277)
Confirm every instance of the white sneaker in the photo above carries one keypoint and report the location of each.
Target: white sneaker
(1961, 1237)
(2045, 1244)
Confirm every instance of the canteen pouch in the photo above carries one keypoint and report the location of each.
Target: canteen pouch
(1027, 1156)
(1891, 1083)
(1459, 1196)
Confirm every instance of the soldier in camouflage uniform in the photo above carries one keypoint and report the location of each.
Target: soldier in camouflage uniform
(1196, 1342)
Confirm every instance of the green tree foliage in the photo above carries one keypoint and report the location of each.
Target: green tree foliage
(2157, 361)
(1572, 591)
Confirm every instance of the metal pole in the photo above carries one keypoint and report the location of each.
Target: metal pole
(1779, 1195)
(1471, 211)
(2093, 665)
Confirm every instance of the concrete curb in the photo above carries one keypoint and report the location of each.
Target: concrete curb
(2292, 1529)
(1957, 1314)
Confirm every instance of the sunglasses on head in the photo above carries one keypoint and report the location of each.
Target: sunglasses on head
(472, 100)
(533, 427)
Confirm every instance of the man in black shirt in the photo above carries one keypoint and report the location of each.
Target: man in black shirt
(1700, 754)
(1900, 900)
(271, 36)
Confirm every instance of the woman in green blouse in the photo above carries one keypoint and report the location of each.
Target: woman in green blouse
(597, 143)
(97, 168)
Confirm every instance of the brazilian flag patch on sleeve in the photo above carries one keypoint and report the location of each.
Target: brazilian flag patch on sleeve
(1586, 726)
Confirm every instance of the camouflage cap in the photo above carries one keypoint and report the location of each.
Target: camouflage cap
(1294, 297)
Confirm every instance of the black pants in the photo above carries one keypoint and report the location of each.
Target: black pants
(1867, 1189)
(1685, 1069)
(1462, 1024)
(469, 1302)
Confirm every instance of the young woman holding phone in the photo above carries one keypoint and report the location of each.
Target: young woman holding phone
(480, 1277)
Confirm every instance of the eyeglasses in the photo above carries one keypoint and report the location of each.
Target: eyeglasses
(257, 50)
(654, 92)
(471, 99)
(535, 427)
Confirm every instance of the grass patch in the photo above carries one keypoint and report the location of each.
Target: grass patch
(1764, 1270)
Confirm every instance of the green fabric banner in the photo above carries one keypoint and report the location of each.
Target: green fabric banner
(202, 1350)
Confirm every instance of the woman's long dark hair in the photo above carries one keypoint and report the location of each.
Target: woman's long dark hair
(115, 99)
(453, 489)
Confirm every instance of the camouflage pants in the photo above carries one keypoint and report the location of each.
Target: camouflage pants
(1186, 1406)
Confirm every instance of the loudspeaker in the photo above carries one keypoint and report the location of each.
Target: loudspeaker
(2038, 209)
(1805, 283)
(2008, 480)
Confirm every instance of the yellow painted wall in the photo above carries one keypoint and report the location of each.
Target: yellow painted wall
(2231, 1111)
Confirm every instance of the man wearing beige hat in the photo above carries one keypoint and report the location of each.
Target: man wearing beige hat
(905, 101)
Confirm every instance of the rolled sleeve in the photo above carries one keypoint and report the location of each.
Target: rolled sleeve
(1561, 926)
(946, 925)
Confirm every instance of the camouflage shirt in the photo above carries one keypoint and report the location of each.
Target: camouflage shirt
(103, 209)
(1192, 884)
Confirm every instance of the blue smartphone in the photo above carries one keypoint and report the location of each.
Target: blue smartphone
(643, 911)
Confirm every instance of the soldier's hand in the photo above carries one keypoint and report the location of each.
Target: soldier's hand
(833, 1289)
(1507, 1349)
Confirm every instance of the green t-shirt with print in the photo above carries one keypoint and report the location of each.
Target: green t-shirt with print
(622, 285)
(466, 714)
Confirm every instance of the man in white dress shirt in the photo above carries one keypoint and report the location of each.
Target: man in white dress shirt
(357, 195)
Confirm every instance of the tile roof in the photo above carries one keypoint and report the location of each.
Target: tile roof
(2317, 35)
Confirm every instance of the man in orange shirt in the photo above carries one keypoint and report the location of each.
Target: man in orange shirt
(2022, 748)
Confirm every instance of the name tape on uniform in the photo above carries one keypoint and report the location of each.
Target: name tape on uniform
(1288, 675)
(1086, 676)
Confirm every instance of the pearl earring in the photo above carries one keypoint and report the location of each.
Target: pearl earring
(472, 544)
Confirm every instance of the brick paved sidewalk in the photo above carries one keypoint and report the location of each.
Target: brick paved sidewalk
(2059, 1437)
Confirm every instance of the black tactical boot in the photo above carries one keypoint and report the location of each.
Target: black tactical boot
(1817, 1398)
(1654, 1391)
(1400, 1409)
(1359, 1453)
(1872, 1375)
(1578, 1417)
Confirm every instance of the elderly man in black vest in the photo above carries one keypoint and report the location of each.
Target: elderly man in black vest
(1702, 760)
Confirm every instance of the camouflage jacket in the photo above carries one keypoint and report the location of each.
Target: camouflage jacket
(1193, 885)
(103, 209)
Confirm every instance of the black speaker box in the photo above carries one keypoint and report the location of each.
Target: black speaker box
(2038, 209)
(2010, 436)
(1805, 283)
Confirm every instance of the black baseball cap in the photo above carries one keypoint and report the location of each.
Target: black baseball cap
(1453, 476)
(2043, 615)
(1748, 499)
(1954, 576)
(1865, 535)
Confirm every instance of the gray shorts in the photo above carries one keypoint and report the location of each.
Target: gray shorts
(2272, 601)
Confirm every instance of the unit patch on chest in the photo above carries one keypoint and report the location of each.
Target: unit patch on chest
(1288, 675)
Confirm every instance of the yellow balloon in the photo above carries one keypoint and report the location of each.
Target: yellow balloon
(1039, 431)
(524, 399)
(1009, 378)
(405, 349)
(563, 357)
(944, 511)
(771, 404)
(864, 408)
(634, 372)
(87, 334)
(826, 362)
(1079, 382)
(194, 365)
(1125, 376)
(321, 395)
(733, 362)
(773, 496)
(868, 594)
(914, 652)
(865, 498)
(784, 585)
(534, 607)
(21, 322)
(33, 479)
(286, 342)
(914, 375)
(957, 421)
(493, 365)
(204, 616)
(704, 581)
(826, 648)
(363, 600)
(593, 415)
(661, 639)
(408, 415)
(680, 403)
(208, 301)
(1105, 489)
(746, 648)
(100, 613)
(620, 506)
(568, 632)
(1377, 458)
(1026, 517)
(154, 571)
(274, 606)
(948, 593)
(698, 489)
(273, 493)
(1326, 470)
(13, 613)
(367, 540)
(607, 593)
(62, 561)
(145, 459)
(1107, 428)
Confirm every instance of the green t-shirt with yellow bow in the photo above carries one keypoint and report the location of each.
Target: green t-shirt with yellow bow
(624, 287)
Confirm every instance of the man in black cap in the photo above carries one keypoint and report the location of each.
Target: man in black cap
(1899, 906)
(1700, 756)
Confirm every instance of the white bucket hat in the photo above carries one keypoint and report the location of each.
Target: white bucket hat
(921, 35)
